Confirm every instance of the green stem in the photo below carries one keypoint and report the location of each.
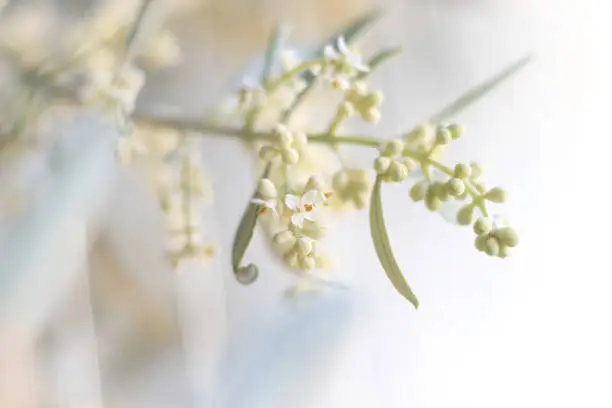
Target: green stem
(273, 85)
(198, 126)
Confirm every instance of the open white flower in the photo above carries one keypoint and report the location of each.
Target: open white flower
(303, 208)
(343, 54)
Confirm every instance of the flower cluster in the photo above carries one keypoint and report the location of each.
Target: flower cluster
(307, 174)
(341, 65)
(286, 144)
(494, 239)
(392, 165)
(296, 222)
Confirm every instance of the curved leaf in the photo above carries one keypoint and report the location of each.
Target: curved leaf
(383, 246)
(244, 233)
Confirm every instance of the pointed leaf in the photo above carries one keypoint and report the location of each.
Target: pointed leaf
(383, 246)
(476, 93)
(244, 233)
(379, 58)
(275, 44)
(352, 31)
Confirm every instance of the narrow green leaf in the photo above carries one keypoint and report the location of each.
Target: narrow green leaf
(275, 43)
(245, 230)
(351, 32)
(476, 93)
(379, 58)
(383, 246)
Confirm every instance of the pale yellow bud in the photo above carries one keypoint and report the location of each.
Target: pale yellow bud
(418, 191)
(462, 171)
(266, 189)
(394, 147)
(303, 246)
(465, 215)
(482, 226)
(507, 236)
(381, 164)
(267, 153)
(455, 187)
(496, 195)
(491, 247)
(397, 171)
(290, 156)
(432, 202)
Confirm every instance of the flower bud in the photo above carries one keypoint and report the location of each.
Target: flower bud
(290, 156)
(381, 164)
(340, 180)
(397, 171)
(496, 195)
(507, 236)
(456, 131)
(315, 183)
(372, 115)
(455, 187)
(418, 190)
(410, 164)
(377, 98)
(443, 136)
(492, 246)
(481, 242)
(476, 170)
(439, 190)
(504, 251)
(346, 109)
(267, 153)
(465, 215)
(394, 147)
(283, 237)
(247, 274)
(360, 178)
(291, 258)
(266, 189)
(300, 140)
(307, 262)
(482, 226)
(285, 139)
(432, 202)
(462, 171)
(303, 246)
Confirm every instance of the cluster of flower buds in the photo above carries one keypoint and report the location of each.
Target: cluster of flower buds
(358, 99)
(352, 186)
(297, 218)
(288, 145)
(493, 239)
(114, 91)
(391, 165)
(182, 209)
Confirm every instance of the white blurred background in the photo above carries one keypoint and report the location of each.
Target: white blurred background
(532, 330)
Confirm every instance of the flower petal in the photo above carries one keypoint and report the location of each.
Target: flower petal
(292, 202)
(311, 197)
(330, 53)
(311, 216)
(297, 219)
(342, 46)
(259, 201)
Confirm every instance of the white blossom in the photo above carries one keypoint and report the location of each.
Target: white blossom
(303, 208)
